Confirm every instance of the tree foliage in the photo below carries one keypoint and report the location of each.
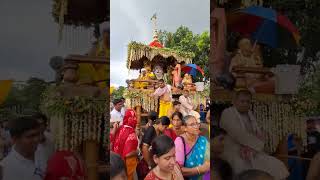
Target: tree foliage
(309, 93)
(185, 40)
(304, 14)
(118, 93)
(25, 98)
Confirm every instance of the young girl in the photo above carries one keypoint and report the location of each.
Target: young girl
(163, 151)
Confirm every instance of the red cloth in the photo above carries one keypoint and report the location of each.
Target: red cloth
(152, 176)
(65, 164)
(156, 43)
(170, 133)
(125, 139)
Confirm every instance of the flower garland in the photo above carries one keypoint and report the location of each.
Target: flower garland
(278, 119)
(137, 97)
(136, 51)
(74, 120)
(276, 116)
(141, 98)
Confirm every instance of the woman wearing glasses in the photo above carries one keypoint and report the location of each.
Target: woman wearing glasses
(193, 151)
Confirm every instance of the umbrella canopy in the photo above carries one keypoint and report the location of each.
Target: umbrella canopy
(192, 69)
(265, 26)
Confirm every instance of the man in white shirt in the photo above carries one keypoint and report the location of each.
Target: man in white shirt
(244, 142)
(187, 106)
(46, 145)
(124, 108)
(22, 163)
(116, 114)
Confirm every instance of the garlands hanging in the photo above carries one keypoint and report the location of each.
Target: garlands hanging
(74, 120)
(277, 119)
(137, 51)
(276, 116)
(135, 97)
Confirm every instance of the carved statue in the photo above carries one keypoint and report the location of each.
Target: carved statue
(73, 86)
(70, 75)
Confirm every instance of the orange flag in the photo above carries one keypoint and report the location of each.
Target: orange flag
(5, 87)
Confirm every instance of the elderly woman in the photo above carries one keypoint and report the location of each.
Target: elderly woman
(126, 142)
(193, 151)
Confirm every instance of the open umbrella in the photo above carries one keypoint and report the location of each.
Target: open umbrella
(192, 69)
(264, 25)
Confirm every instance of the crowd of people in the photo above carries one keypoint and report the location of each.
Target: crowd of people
(169, 145)
(237, 148)
(28, 152)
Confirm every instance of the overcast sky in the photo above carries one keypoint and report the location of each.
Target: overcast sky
(29, 38)
(130, 21)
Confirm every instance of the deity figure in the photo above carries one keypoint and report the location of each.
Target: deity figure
(249, 55)
(97, 72)
(158, 71)
(149, 72)
(143, 76)
(246, 56)
(187, 82)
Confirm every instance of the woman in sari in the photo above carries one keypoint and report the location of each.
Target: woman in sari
(163, 151)
(126, 142)
(65, 165)
(146, 163)
(193, 151)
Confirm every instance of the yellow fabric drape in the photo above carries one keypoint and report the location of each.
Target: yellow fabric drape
(5, 87)
(164, 107)
(89, 72)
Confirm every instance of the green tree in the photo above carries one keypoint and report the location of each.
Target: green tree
(33, 92)
(25, 98)
(118, 93)
(185, 40)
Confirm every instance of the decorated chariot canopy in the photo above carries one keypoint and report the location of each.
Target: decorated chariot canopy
(140, 54)
(81, 12)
